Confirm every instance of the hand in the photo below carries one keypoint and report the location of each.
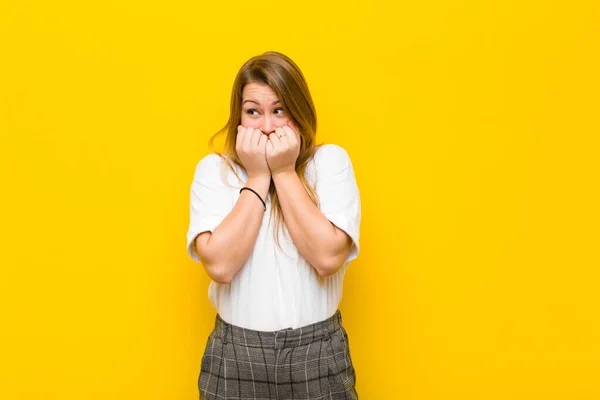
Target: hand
(250, 146)
(283, 149)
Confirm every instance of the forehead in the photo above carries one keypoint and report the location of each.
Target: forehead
(259, 92)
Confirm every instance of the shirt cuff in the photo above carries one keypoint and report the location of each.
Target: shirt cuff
(342, 222)
(205, 224)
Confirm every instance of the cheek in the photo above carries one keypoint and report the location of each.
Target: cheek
(248, 122)
(282, 121)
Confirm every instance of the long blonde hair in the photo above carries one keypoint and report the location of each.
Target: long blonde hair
(284, 77)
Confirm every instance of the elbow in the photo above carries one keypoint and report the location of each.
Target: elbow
(329, 266)
(330, 262)
(221, 279)
(219, 273)
(217, 270)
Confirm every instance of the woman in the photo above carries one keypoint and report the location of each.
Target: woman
(274, 220)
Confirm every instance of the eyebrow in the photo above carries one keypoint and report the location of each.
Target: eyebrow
(257, 103)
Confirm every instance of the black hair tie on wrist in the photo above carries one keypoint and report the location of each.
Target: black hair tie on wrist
(257, 195)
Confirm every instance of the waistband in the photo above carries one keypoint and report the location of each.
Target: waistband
(278, 339)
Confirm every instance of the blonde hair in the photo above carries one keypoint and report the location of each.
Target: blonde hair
(284, 77)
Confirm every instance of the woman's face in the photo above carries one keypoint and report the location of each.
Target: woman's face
(262, 109)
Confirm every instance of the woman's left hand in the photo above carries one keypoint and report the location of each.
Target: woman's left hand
(283, 149)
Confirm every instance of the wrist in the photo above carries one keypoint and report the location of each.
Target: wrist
(260, 184)
(284, 173)
(260, 174)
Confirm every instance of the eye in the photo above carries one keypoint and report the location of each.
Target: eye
(251, 111)
(279, 111)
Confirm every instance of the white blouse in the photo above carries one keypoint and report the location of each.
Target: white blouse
(276, 289)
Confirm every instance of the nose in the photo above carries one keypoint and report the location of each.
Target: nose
(267, 125)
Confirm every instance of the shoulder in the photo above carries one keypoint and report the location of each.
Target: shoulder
(331, 154)
(209, 161)
(207, 166)
(215, 168)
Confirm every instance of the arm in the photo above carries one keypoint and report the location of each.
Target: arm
(320, 242)
(224, 251)
(224, 238)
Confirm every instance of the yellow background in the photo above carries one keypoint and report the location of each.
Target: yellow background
(473, 129)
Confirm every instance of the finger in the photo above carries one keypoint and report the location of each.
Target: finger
(297, 137)
(256, 137)
(248, 138)
(274, 137)
(290, 132)
(239, 138)
(285, 135)
(281, 132)
(293, 126)
(262, 142)
(269, 146)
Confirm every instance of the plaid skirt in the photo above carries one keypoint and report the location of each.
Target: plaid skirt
(312, 362)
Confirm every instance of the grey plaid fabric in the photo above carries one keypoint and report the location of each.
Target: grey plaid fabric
(310, 363)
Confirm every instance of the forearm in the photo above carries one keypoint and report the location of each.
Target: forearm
(226, 250)
(321, 243)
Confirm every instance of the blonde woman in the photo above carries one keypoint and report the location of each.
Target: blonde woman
(274, 220)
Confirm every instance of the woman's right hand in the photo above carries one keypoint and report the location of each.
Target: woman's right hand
(251, 148)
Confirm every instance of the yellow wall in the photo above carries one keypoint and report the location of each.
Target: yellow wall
(473, 128)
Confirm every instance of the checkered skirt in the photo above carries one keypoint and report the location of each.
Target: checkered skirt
(309, 363)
